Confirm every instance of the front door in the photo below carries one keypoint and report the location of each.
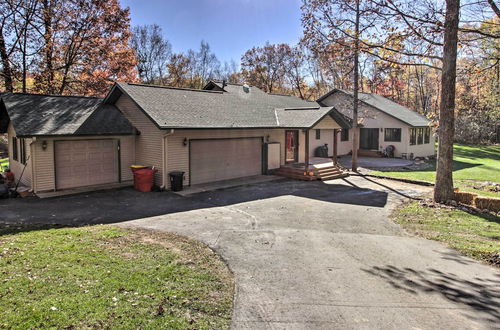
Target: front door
(291, 146)
(368, 138)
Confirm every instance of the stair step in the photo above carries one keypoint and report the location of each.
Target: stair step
(333, 170)
(326, 170)
(331, 177)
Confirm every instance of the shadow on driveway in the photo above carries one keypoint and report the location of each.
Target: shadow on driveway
(482, 295)
(119, 205)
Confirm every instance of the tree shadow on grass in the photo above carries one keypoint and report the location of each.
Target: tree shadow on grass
(457, 166)
(480, 296)
(475, 152)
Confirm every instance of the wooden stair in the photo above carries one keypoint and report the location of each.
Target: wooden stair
(330, 173)
(297, 173)
(323, 173)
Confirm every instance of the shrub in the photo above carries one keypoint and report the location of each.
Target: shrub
(488, 203)
(465, 197)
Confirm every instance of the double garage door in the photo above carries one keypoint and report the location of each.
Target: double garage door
(224, 159)
(85, 163)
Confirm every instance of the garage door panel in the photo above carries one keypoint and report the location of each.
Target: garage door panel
(85, 163)
(216, 160)
(107, 156)
(78, 157)
(106, 168)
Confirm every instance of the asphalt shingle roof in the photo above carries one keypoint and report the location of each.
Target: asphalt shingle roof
(387, 106)
(45, 115)
(234, 108)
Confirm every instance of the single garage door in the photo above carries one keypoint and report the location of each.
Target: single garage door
(85, 163)
(216, 160)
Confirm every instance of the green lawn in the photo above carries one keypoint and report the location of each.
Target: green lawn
(477, 236)
(4, 163)
(106, 277)
(472, 166)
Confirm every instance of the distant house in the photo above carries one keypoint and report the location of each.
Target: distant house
(383, 123)
(221, 132)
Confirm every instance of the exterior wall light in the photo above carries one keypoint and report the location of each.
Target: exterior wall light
(44, 145)
(185, 142)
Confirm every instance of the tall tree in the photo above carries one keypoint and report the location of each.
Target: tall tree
(7, 11)
(193, 69)
(78, 46)
(419, 25)
(295, 71)
(152, 52)
(355, 136)
(15, 26)
(264, 67)
(207, 65)
(342, 23)
(230, 73)
(443, 191)
(178, 70)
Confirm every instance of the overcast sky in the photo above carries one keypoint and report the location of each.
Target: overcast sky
(229, 26)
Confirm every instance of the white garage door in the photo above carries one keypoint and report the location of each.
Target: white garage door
(85, 163)
(216, 160)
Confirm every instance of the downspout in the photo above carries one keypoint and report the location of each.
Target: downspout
(32, 160)
(164, 158)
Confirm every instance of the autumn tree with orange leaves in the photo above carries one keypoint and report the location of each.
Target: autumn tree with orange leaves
(65, 46)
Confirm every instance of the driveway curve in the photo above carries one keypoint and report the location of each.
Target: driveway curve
(315, 255)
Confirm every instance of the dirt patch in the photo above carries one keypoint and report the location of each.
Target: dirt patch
(188, 251)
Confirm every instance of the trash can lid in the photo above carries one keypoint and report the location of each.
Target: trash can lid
(138, 166)
(175, 173)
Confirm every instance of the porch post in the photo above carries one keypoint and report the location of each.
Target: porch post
(335, 138)
(306, 158)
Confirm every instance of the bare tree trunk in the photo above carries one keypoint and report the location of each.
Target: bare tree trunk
(443, 191)
(48, 52)
(494, 7)
(24, 55)
(7, 71)
(355, 136)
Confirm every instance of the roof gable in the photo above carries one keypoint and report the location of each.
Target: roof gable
(45, 115)
(386, 106)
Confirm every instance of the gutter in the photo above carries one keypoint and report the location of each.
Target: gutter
(164, 157)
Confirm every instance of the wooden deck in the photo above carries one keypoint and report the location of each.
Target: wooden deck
(319, 169)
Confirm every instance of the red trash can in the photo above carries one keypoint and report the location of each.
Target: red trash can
(134, 169)
(143, 178)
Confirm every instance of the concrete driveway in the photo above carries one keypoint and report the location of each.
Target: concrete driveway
(307, 255)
